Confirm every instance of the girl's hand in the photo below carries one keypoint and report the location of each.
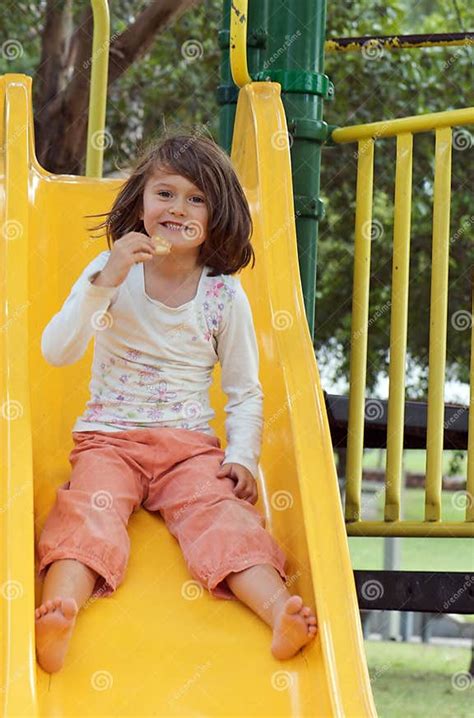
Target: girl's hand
(133, 247)
(246, 487)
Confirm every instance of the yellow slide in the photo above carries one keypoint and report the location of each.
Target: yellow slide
(162, 645)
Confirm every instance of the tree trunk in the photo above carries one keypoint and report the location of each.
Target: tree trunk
(62, 80)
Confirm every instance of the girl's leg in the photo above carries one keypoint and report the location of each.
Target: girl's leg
(262, 589)
(69, 578)
(67, 586)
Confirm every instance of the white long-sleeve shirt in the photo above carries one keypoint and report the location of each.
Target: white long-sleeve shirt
(153, 363)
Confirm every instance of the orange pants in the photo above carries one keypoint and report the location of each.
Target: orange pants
(171, 471)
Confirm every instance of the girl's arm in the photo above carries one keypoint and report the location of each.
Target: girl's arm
(237, 350)
(68, 333)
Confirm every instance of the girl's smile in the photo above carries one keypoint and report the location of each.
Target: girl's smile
(176, 207)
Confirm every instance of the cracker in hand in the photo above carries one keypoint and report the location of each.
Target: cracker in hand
(162, 245)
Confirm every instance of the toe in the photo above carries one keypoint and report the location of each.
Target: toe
(49, 605)
(311, 619)
(293, 605)
(305, 611)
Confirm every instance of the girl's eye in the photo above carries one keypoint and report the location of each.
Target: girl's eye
(201, 199)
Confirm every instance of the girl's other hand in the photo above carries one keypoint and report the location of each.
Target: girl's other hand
(246, 486)
(130, 249)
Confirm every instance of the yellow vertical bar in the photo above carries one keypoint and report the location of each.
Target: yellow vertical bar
(438, 324)
(360, 310)
(238, 42)
(17, 560)
(398, 325)
(96, 138)
(470, 441)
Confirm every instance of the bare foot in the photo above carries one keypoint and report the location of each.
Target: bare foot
(54, 624)
(294, 626)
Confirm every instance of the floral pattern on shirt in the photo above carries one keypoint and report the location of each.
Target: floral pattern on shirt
(219, 293)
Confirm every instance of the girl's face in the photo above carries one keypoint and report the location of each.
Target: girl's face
(170, 199)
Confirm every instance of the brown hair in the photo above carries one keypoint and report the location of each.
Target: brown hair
(227, 248)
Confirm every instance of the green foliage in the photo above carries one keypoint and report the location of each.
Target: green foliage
(165, 87)
(386, 86)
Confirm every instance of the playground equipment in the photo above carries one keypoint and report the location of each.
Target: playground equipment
(191, 655)
(118, 664)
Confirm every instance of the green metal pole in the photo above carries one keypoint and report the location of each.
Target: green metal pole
(228, 91)
(287, 46)
(294, 57)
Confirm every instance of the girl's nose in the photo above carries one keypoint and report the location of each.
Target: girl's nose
(178, 208)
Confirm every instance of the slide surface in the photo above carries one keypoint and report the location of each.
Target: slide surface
(162, 645)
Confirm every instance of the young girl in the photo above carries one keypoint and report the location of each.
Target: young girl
(163, 307)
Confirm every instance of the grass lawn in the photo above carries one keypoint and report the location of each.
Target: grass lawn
(413, 680)
(414, 460)
(416, 554)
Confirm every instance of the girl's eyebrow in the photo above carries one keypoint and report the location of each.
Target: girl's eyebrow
(167, 184)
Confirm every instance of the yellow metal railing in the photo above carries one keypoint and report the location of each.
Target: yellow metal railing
(96, 136)
(366, 135)
(238, 42)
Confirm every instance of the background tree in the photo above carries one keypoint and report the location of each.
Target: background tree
(164, 69)
(379, 86)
